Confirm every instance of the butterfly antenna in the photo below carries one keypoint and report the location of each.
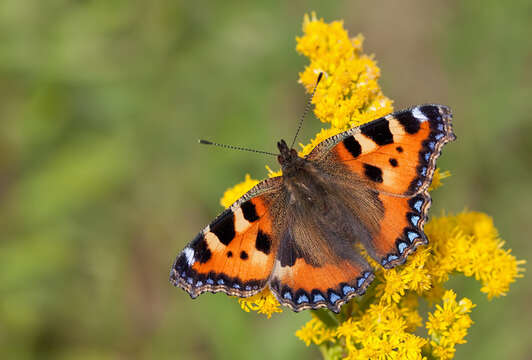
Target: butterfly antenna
(307, 108)
(206, 142)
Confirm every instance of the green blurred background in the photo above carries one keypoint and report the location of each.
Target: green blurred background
(102, 182)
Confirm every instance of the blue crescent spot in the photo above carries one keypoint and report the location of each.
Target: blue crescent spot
(427, 156)
(401, 247)
(360, 281)
(318, 297)
(190, 281)
(414, 219)
(384, 262)
(412, 235)
(199, 283)
(424, 171)
(221, 282)
(347, 289)
(210, 281)
(287, 295)
(438, 136)
(236, 286)
(392, 257)
(334, 298)
(431, 145)
(248, 287)
(417, 205)
(183, 274)
(302, 298)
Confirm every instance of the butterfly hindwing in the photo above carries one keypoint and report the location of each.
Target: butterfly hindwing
(235, 254)
(401, 228)
(303, 286)
(318, 264)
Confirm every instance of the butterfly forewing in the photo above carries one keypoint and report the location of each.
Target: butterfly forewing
(395, 154)
(236, 252)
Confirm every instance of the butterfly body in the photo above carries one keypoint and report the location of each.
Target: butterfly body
(300, 233)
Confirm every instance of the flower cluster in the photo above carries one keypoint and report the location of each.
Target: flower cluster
(386, 322)
(349, 95)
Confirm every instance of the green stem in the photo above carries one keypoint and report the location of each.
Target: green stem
(324, 352)
(326, 317)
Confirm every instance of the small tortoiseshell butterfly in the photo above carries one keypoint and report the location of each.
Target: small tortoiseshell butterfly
(296, 233)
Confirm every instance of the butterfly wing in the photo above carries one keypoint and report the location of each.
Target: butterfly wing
(235, 254)
(395, 155)
(317, 263)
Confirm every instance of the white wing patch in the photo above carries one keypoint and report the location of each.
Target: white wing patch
(189, 254)
(419, 115)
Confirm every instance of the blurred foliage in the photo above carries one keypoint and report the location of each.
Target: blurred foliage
(102, 183)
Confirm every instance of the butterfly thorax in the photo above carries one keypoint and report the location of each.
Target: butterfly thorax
(301, 179)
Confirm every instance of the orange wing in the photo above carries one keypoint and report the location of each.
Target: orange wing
(401, 229)
(396, 155)
(235, 254)
(302, 286)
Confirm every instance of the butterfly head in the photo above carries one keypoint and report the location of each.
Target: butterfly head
(288, 158)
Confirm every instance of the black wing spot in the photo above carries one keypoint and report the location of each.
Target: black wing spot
(244, 255)
(224, 228)
(409, 122)
(379, 132)
(180, 263)
(249, 211)
(202, 254)
(393, 162)
(373, 173)
(263, 242)
(432, 113)
(352, 146)
(229, 254)
(399, 149)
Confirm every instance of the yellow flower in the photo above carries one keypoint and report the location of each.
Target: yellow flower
(379, 333)
(447, 325)
(392, 287)
(263, 303)
(233, 194)
(469, 243)
(315, 332)
(437, 179)
(382, 323)
(349, 95)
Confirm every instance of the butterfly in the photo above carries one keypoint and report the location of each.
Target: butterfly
(298, 233)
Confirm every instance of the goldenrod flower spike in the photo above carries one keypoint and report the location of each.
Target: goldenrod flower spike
(349, 95)
(383, 323)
